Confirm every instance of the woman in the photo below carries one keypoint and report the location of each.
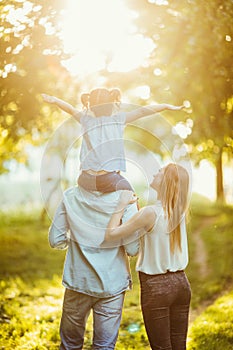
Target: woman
(163, 256)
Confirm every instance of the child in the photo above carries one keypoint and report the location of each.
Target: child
(102, 154)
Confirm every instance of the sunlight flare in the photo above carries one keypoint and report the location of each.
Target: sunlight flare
(100, 35)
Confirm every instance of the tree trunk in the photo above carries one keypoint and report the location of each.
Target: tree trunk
(219, 173)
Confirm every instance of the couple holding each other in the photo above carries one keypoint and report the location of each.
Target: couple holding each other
(87, 222)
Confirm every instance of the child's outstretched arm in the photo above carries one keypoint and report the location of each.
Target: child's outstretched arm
(66, 107)
(148, 110)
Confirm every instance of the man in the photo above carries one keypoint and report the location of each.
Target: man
(95, 278)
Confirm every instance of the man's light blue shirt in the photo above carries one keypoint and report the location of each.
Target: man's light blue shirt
(79, 224)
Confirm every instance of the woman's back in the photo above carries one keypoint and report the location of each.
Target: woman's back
(155, 256)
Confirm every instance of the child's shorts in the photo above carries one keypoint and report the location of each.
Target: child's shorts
(106, 183)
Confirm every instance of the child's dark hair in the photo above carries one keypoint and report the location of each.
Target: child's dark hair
(100, 96)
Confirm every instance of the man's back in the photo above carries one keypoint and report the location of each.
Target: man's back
(79, 224)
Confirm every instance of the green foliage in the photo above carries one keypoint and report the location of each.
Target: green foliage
(213, 330)
(193, 52)
(193, 57)
(29, 65)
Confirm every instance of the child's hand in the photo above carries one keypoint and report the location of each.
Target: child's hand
(175, 108)
(48, 98)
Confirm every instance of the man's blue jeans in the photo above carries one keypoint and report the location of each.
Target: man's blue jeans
(106, 320)
(165, 302)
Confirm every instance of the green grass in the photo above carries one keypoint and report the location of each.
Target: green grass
(217, 237)
(213, 330)
(31, 292)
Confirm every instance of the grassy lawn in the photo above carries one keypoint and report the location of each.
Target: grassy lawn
(218, 242)
(31, 291)
(213, 330)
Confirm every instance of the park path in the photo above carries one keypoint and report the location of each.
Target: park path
(201, 259)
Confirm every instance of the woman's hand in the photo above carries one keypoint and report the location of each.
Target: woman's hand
(113, 230)
(48, 98)
(127, 197)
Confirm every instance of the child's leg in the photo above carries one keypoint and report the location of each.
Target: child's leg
(87, 181)
(104, 183)
(112, 182)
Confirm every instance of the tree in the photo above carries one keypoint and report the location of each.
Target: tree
(193, 58)
(29, 64)
(213, 131)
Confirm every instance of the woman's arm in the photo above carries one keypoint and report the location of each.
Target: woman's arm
(66, 107)
(143, 220)
(148, 110)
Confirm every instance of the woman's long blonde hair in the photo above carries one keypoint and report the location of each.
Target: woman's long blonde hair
(173, 193)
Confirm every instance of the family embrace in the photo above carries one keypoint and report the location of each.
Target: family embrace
(100, 224)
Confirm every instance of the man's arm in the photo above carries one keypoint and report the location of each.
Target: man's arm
(58, 231)
(65, 106)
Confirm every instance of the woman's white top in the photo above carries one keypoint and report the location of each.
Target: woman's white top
(155, 256)
(103, 144)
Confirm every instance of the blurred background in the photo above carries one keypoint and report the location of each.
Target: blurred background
(154, 51)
